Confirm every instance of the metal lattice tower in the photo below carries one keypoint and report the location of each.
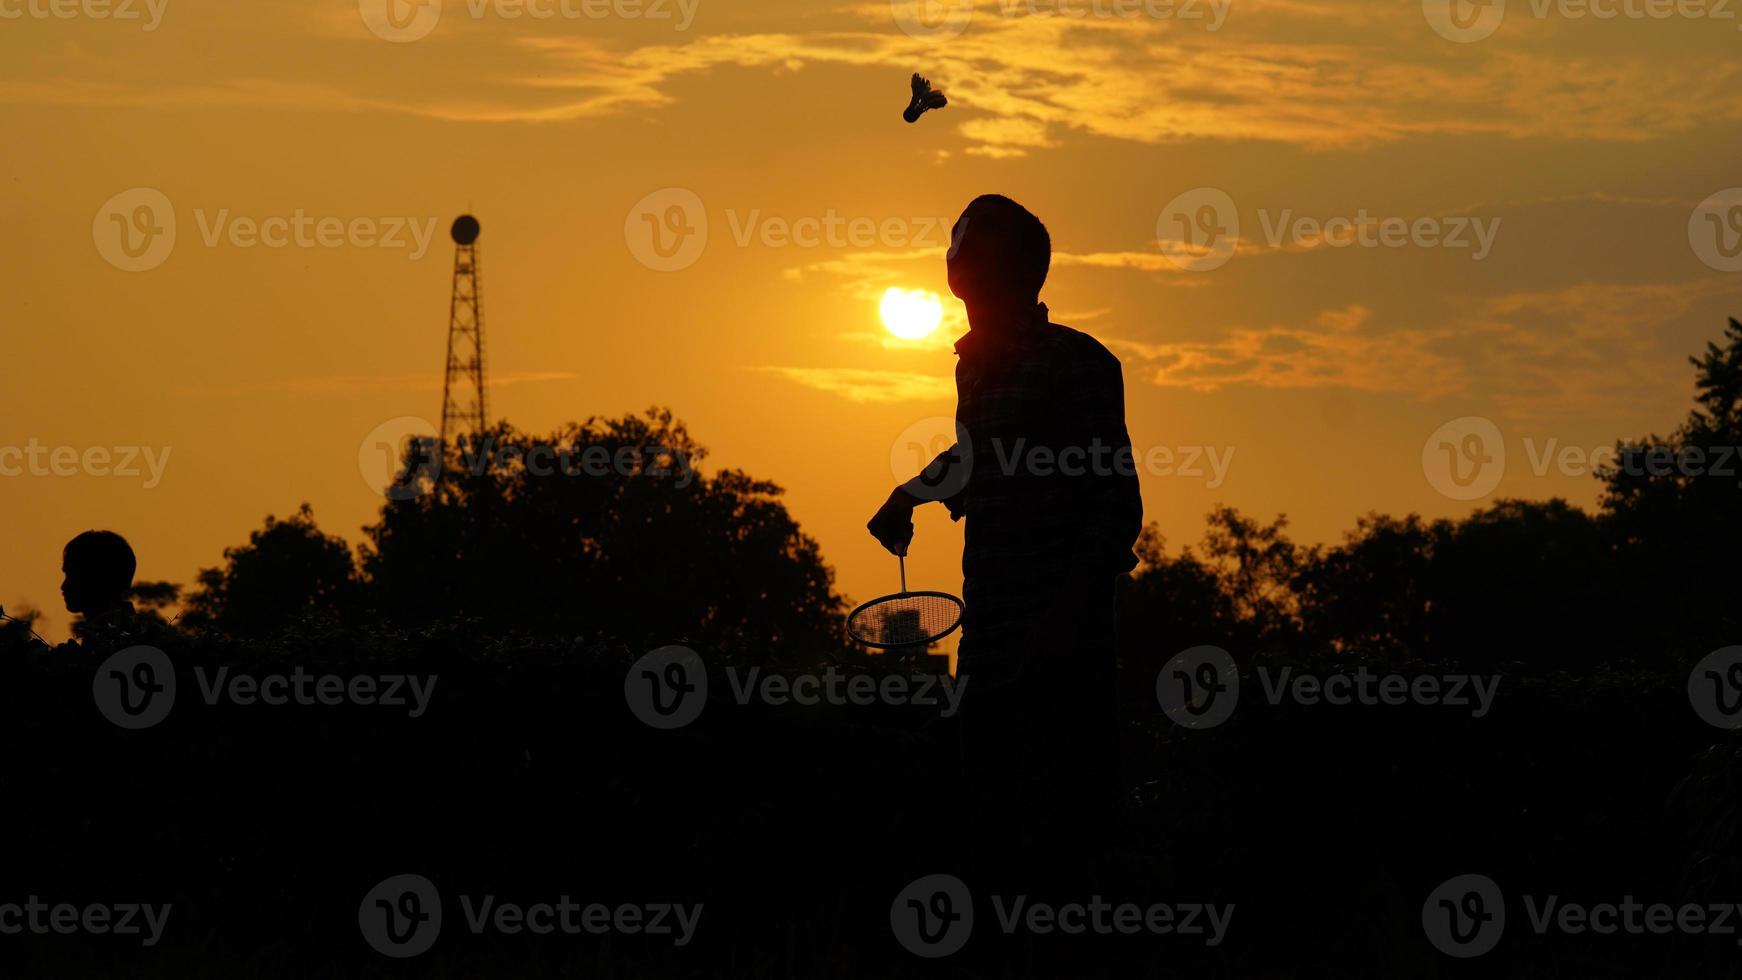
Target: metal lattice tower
(463, 404)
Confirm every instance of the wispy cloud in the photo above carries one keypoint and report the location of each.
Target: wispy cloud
(1589, 347)
(867, 385)
(1024, 84)
(355, 384)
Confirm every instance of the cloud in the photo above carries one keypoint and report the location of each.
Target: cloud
(356, 384)
(869, 273)
(867, 385)
(1312, 73)
(1584, 348)
(1330, 351)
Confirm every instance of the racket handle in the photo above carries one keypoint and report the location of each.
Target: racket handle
(903, 560)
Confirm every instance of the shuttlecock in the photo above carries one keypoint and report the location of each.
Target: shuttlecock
(924, 97)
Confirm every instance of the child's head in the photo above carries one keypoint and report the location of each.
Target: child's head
(999, 251)
(99, 568)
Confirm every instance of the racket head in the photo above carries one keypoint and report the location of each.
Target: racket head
(905, 619)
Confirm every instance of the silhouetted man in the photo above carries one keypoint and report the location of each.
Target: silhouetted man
(98, 568)
(1043, 473)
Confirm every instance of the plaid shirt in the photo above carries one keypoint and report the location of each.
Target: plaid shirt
(1042, 470)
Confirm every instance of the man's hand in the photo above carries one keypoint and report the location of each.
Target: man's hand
(892, 525)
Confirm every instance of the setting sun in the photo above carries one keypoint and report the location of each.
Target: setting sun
(911, 314)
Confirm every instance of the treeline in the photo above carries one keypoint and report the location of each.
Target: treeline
(529, 776)
(632, 542)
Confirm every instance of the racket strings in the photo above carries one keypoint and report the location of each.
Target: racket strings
(905, 620)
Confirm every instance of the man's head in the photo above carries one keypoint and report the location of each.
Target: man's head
(99, 567)
(999, 253)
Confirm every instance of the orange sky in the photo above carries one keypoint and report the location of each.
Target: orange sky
(1315, 370)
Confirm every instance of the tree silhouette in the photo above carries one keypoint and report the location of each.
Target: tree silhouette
(1652, 575)
(287, 570)
(1673, 507)
(604, 530)
(156, 597)
(18, 629)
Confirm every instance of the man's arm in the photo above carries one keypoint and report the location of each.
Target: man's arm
(941, 480)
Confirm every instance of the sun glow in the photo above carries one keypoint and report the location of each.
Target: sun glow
(911, 314)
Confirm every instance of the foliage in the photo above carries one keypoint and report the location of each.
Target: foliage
(604, 529)
(288, 569)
